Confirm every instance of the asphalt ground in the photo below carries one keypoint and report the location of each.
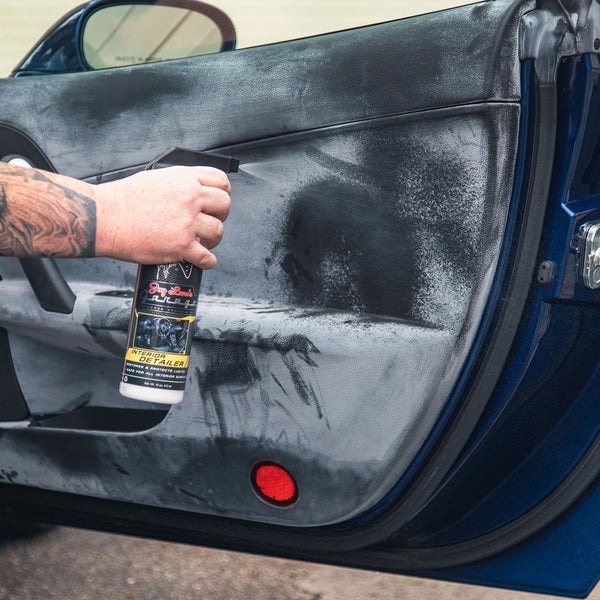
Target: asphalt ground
(70, 564)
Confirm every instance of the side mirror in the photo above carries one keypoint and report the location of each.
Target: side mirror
(118, 33)
(113, 33)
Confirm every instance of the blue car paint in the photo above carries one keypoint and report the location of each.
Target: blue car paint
(60, 48)
(56, 52)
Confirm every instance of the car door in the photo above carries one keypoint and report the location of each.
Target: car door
(394, 363)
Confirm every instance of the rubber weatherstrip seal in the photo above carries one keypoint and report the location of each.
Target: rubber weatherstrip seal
(525, 260)
(565, 495)
(587, 469)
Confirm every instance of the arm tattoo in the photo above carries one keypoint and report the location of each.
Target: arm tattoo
(39, 217)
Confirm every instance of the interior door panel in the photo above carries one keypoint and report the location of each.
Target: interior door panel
(295, 350)
(358, 257)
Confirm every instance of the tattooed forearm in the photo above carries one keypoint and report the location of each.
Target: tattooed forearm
(153, 217)
(42, 215)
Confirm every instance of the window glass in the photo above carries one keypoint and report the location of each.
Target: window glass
(257, 22)
(111, 35)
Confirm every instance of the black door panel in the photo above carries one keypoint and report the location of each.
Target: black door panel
(376, 178)
(93, 122)
(312, 330)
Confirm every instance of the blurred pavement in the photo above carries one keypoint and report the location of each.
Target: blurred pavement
(72, 564)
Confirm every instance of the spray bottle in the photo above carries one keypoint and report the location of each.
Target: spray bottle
(164, 309)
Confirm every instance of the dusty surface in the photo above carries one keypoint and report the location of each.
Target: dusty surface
(81, 565)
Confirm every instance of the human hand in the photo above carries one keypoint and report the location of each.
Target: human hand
(157, 217)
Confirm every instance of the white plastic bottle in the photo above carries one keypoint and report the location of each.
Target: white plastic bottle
(160, 332)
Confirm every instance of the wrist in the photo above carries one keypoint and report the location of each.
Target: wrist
(106, 221)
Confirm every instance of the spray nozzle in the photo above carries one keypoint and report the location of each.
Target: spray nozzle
(191, 158)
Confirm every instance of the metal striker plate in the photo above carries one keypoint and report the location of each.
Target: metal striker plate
(591, 265)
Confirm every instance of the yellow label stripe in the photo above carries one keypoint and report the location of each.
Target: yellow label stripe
(190, 319)
(157, 359)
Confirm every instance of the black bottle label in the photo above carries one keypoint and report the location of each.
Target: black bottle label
(160, 331)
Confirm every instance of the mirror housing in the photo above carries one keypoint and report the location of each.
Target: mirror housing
(72, 44)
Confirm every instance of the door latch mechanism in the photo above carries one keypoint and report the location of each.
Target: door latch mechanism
(591, 262)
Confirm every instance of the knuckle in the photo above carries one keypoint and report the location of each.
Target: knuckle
(221, 180)
(207, 260)
(194, 188)
(227, 200)
(226, 185)
(224, 205)
(217, 227)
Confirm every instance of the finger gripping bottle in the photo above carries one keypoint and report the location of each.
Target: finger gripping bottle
(164, 309)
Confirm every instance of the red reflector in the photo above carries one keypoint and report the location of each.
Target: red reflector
(274, 484)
